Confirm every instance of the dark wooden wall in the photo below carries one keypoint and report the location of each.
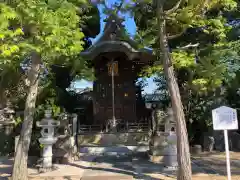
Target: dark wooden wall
(125, 92)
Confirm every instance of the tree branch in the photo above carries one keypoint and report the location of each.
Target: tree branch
(120, 6)
(105, 6)
(174, 8)
(176, 35)
(189, 46)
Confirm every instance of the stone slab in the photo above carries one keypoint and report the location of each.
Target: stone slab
(55, 178)
(114, 150)
(107, 178)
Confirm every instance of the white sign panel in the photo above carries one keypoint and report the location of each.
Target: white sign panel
(224, 118)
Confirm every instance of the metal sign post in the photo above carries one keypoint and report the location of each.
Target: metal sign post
(227, 154)
(225, 118)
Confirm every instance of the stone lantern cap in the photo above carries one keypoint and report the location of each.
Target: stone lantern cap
(47, 123)
(9, 110)
(6, 116)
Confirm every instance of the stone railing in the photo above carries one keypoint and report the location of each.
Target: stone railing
(137, 127)
(90, 129)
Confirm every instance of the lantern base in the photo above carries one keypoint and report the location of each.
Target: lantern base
(42, 169)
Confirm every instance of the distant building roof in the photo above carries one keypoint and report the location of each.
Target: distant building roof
(153, 97)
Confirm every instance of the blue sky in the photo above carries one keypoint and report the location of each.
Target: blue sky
(131, 29)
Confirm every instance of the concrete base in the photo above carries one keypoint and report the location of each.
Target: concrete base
(45, 170)
(170, 161)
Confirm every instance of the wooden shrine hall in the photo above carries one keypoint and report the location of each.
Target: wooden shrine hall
(117, 62)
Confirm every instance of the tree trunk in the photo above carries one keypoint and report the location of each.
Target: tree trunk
(183, 156)
(20, 171)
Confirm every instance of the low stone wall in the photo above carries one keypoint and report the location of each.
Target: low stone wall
(111, 139)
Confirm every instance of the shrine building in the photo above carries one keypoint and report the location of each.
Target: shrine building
(117, 62)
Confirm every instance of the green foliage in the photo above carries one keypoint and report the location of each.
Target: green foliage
(205, 54)
(183, 59)
(47, 98)
(8, 37)
(50, 28)
(18, 120)
(205, 16)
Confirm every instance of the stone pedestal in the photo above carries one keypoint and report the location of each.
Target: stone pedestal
(47, 156)
(196, 149)
(170, 152)
(156, 147)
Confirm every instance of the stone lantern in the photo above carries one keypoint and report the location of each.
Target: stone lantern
(48, 139)
(170, 152)
(7, 118)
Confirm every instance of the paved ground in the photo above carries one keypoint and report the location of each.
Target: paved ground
(215, 164)
(206, 166)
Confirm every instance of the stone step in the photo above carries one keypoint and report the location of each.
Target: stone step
(113, 150)
(101, 177)
(56, 178)
(107, 178)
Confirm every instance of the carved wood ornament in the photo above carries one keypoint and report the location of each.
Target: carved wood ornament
(113, 65)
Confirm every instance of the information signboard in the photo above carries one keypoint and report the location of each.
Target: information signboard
(224, 118)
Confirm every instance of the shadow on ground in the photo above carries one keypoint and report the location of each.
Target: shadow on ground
(5, 168)
(139, 167)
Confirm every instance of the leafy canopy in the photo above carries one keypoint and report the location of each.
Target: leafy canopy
(50, 28)
(201, 23)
